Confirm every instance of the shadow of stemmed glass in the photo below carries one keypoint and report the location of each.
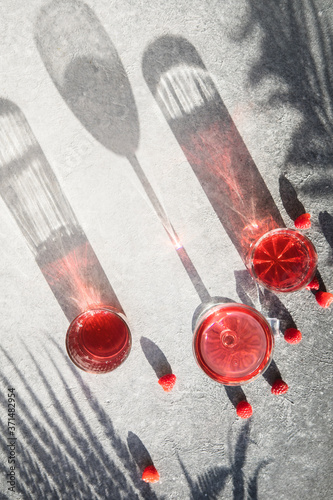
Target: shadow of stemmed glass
(39, 206)
(85, 67)
(89, 75)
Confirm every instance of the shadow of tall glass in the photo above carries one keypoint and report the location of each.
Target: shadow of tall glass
(203, 127)
(62, 251)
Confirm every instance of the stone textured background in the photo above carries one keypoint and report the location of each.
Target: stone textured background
(86, 436)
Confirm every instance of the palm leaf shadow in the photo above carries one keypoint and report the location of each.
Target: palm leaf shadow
(34, 478)
(297, 48)
(208, 485)
(53, 465)
(211, 483)
(119, 446)
(252, 487)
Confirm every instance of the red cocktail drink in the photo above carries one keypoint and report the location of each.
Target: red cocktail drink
(233, 343)
(283, 260)
(98, 340)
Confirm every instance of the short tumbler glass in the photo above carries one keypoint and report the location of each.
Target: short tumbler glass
(283, 260)
(98, 340)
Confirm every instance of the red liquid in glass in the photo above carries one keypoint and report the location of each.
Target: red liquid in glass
(233, 344)
(98, 340)
(283, 260)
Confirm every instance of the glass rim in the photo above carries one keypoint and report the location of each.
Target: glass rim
(105, 363)
(299, 237)
(269, 347)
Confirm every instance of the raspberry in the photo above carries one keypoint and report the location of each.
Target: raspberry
(167, 382)
(244, 409)
(303, 221)
(292, 336)
(324, 299)
(279, 387)
(150, 474)
(313, 285)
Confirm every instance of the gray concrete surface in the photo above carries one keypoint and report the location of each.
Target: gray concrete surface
(118, 171)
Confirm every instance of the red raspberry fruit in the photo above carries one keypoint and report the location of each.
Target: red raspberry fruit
(244, 409)
(313, 285)
(324, 299)
(303, 221)
(279, 387)
(167, 382)
(150, 474)
(292, 336)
